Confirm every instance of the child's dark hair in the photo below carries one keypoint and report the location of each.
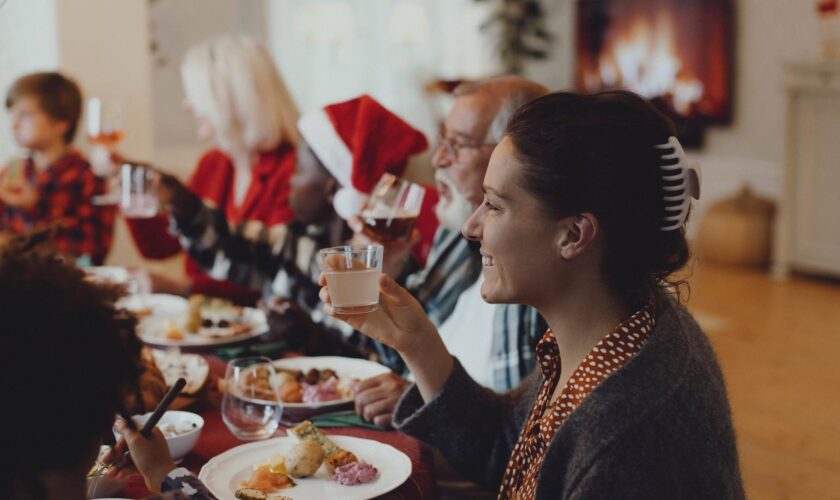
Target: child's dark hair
(68, 361)
(58, 96)
(596, 153)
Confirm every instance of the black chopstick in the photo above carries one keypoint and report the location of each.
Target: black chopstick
(129, 422)
(162, 407)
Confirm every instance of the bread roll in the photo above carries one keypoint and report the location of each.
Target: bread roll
(304, 459)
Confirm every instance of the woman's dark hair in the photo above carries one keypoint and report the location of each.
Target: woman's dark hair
(596, 153)
(68, 360)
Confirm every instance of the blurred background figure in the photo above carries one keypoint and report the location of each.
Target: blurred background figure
(52, 186)
(244, 112)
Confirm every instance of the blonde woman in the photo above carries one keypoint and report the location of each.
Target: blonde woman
(243, 110)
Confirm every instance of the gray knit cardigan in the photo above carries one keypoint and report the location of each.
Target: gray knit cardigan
(660, 427)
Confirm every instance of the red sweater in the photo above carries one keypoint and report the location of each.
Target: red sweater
(267, 201)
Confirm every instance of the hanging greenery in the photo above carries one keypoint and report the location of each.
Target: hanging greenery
(522, 32)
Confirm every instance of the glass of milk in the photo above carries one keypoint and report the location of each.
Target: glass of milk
(353, 277)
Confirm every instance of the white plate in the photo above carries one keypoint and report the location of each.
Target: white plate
(224, 473)
(159, 304)
(108, 274)
(343, 367)
(167, 310)
(174, 365)
(152, 331)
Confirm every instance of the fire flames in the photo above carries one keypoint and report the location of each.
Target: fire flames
(643, 56)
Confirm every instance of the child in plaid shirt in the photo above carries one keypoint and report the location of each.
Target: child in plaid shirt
(52, 188)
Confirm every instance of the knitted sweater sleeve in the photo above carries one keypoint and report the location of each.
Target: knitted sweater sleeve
(474, 427)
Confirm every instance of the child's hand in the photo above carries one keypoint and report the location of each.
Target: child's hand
(23, 196)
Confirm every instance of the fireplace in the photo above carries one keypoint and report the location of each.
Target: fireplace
(677, 53)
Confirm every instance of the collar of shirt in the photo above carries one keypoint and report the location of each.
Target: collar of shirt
(72, 160)
(608, 355)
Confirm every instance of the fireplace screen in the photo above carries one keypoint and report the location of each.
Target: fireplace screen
(677, 53)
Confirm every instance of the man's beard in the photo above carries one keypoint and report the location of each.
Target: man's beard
(452, 214)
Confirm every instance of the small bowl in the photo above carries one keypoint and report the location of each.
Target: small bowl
(179, 445)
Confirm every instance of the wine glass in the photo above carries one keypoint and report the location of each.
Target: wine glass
(392, 210)
(105, 120)
(251, 405)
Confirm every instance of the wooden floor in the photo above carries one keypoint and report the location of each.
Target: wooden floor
(779, 347)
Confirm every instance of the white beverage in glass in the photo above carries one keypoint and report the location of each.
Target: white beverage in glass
(354, 289)
(353, 277)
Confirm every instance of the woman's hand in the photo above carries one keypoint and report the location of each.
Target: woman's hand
(150, 456)
(399, 321)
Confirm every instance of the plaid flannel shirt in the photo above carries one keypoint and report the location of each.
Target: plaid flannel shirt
(283, 261)
(65, 190)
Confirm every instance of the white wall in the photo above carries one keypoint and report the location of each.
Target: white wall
(329, 51)
(27, 44)
(105, 45)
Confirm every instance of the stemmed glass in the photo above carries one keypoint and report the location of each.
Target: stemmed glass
(251, 405)
(105, 120)
(392, 209)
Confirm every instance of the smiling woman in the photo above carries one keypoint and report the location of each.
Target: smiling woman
(585, 201)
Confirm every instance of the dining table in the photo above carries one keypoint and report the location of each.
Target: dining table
(216, 438)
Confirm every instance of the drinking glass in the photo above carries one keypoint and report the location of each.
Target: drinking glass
(138, 191)
(353, 277)
(105, 121)
(251, 405)
(392, 209)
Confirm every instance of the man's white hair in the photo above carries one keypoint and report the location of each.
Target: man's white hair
(234, 84)
(510, 92)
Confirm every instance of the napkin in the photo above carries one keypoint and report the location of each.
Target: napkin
(343, 419)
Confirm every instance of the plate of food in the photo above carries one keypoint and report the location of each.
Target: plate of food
(306, 464)
(314, 385)
(174, 364)
(113, 275)
(168, 320)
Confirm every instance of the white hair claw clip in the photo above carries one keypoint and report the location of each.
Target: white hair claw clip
(682, 182)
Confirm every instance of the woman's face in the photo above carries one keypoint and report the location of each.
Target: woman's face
(312, 188)
(518, 240)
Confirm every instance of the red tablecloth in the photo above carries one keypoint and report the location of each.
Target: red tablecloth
(216, 438)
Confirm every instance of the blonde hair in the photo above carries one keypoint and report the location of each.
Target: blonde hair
(232, 82)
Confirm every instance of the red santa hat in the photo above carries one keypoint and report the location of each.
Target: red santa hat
(358, 141)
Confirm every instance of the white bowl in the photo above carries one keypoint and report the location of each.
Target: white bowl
(179, 445)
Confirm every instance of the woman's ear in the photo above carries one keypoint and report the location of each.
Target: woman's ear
(577, 233)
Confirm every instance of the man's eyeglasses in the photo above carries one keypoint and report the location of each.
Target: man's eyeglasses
(453, 148)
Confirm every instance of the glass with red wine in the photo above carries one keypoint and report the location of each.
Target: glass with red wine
(392, 210)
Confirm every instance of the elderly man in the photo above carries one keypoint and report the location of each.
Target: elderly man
(494, 343)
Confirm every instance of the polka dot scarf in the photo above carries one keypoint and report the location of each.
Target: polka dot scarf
(610, 354)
